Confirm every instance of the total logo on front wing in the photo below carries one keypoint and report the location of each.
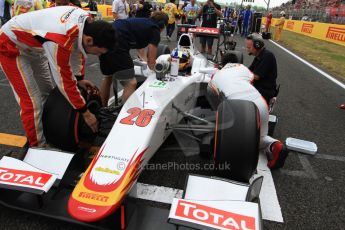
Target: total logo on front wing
(215, 217)
(24, 178)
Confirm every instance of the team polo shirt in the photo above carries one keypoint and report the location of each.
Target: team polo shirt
(133, 33)
(265, 66)
(137, 33)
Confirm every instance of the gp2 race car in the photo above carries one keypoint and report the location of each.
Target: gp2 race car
(56, 183)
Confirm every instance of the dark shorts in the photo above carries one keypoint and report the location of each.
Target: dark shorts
(209, 41)
(117, 63)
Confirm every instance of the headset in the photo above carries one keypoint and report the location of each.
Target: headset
(258, 41)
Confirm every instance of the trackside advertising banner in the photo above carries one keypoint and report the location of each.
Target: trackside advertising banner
(105, 10)
(334, 33)
(18, 175)
(230, 215)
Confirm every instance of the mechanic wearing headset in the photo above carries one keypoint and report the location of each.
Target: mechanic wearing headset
(264, 66)
(133, 33)
(234, 81)
(28, 43)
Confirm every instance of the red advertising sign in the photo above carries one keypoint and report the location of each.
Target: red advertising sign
(212, 216)
(290, 25)
(307, 28)
(337, 34)
(22, 177)
(109, 11)
(204, 30)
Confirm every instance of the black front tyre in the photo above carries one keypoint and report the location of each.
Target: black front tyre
(237, 137)
(63, 126)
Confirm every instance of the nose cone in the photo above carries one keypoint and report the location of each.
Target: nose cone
(88, 212)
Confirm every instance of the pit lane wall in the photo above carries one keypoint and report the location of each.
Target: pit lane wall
(334, 33)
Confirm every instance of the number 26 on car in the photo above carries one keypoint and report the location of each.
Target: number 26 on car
(137, 116)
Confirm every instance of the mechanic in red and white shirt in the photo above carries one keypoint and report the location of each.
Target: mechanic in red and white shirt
(30, 41)
(235, 82)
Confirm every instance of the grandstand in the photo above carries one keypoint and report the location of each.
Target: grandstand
(329, 11)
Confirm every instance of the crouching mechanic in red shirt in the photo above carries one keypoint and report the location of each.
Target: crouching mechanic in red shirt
(235, 82)
(30, 41)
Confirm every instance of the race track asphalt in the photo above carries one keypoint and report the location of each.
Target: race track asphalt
(310, 189)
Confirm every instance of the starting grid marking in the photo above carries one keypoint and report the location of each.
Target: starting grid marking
(330, 157)
(93, 65)
(3, 80)
(307, 172)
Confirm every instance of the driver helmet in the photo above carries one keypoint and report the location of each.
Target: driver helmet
(184, 58)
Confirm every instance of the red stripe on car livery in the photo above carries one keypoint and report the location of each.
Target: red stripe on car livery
(212, 216)
(92, 201)
(127, 176)
(23, 177)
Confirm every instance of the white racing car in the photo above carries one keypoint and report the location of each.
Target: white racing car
(57, 183)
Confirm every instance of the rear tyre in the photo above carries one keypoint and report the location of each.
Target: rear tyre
(237, 137)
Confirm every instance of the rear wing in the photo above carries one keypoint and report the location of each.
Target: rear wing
(198, 31)
(201, 32)
(205, 32)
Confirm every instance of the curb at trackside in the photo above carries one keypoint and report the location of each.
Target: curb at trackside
(326, 75)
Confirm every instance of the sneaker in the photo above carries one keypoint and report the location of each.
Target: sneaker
(279, 154)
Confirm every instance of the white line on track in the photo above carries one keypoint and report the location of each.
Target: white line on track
(94, 64)
(155, 193)
(4, 84)
(330, 157)
(326, 75)
(307, 172)
(268, 197)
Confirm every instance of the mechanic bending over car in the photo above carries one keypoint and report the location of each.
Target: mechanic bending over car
(264, 66)
(238, 86)
(133, 33)
(28, 44)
